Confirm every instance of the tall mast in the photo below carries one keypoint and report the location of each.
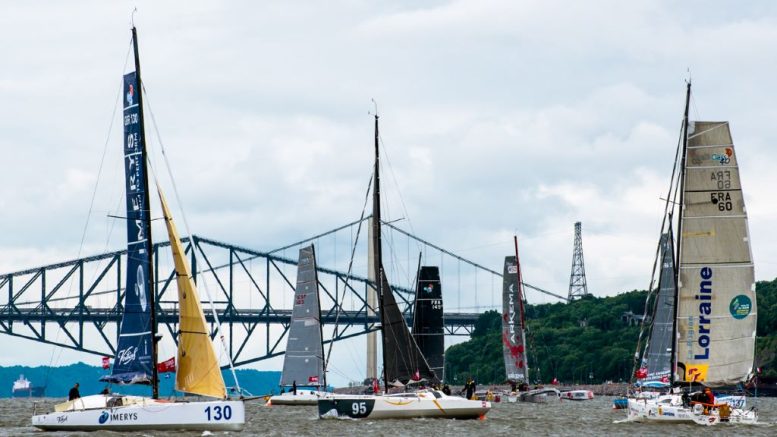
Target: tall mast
(680, 228)
(147, 224)
(377, 249)
(520, 305)
(320, 328)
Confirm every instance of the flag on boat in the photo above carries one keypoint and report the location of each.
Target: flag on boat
(106, 362)
(313, 379)
(166, 366)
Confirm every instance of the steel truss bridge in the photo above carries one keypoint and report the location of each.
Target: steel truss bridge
(77, 304)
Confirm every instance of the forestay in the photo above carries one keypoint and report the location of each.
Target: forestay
(716, 315)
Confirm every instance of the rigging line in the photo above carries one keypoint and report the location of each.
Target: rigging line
(350, 269)
(188, 231)
(668, 214)
(94, 195)
(394, 178)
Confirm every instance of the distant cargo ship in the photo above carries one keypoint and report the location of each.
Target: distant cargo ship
(23, 388)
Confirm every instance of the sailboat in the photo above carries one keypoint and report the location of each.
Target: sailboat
(304, 377)
(402, 359)
(710, 333)
(514, 334)
(198, 371)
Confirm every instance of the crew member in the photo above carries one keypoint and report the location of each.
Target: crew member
(73, 394)
(294, 387)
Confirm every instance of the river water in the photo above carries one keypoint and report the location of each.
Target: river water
(587, 418)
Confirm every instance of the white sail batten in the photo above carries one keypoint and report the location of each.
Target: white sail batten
(716, 308)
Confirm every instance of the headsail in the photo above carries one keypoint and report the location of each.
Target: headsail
(198, 369)
(716, 314)
(512, 335)
(428, 329)
(658, 358)
(134, 362)
(303, 362)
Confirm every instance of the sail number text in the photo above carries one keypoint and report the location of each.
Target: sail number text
(722, 178)
(218, 413)
(359, 408)
(722, 200)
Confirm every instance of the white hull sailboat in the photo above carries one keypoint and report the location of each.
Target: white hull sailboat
(135, 413)
(709, 337)
(403, 361)
(577, 395)
(424, 403)
(198, 370)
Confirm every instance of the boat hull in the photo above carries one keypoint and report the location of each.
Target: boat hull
(303, 397)
(400, 406)
(30, 392)
(577, 395)
(669, 409)
(143, 414)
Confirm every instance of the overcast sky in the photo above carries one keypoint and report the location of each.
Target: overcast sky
(497, 117)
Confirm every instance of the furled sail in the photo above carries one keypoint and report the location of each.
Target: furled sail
(133, 363)
(659, 351)
(512, 335)
(716, 314)
(428, 318)
(303, 363)
(198, 369)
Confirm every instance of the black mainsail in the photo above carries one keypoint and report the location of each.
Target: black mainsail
(402, 359)
(303, 363)
(428, 329)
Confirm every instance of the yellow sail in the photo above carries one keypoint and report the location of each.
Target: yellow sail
(198, 369)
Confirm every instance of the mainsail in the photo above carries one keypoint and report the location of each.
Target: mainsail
(198, 369)
(428, 318)
(303, 363)
(513, 343)
(134, 363)
(658, 358)
(402, 360)
(716, 313)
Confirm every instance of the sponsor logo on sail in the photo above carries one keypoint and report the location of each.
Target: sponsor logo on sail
(130, 95)
(127, 355)
(140, 288)
(740, 306)
(704, 296)
(696, 372)
(723, 158)
(428, 289)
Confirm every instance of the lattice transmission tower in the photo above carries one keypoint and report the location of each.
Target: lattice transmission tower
(578, 287)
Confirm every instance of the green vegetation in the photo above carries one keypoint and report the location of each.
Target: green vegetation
(585, 341)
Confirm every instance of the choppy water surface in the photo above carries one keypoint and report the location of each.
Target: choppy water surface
(594, 418)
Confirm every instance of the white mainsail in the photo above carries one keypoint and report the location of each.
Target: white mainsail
(716, 308)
